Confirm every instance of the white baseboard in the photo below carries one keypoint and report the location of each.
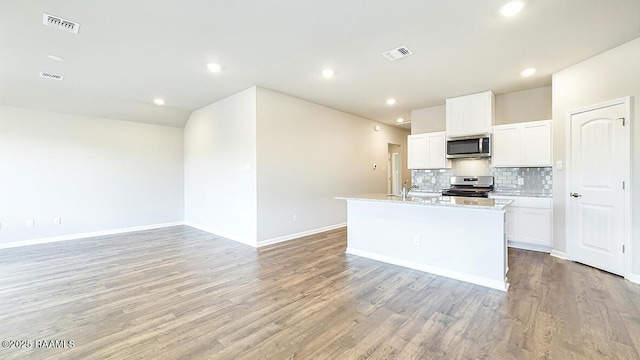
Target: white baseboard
(280, 239)
(51, 239)
(525, 246)
(490, 283)
(559, 254)
(634, 278)
(221, 234)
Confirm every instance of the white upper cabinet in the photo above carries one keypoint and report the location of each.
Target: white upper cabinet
(437, 150)
(506, 145)
(427, 151)
(536, 143)
(522, 145)
(417, 151)
(471, 114)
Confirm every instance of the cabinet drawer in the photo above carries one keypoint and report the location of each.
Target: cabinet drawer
(512, 198)
(536, 203)
(529, 202)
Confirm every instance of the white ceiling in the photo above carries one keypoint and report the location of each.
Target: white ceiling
(129, 52)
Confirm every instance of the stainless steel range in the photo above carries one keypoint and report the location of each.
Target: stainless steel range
(470, 186)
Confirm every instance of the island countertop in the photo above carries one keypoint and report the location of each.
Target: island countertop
(445, 201)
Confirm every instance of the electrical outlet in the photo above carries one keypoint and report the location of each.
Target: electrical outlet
(295, 218)
(416, 240)
(520, 181)
(57, 221)
(30, 223)
(433, 180)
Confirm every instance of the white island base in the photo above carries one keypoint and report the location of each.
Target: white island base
(462, 243)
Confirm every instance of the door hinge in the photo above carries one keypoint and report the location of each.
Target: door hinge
(623, 249)
(623, 120)
(623, 185)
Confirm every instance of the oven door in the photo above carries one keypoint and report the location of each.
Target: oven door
(476, 193)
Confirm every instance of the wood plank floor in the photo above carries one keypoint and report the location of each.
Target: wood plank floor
(180, 293)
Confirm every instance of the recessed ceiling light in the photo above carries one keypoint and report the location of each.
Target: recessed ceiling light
(158, 102)
(511, 8)
(327, 73)
(213, 67)
(400, 120)
(528, 72)
(55, 58)
(391, 101)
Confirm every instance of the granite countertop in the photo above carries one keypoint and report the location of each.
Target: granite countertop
(424, 193)
(514, 192)
(443, 201)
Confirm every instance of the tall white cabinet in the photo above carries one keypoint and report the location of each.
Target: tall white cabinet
(427, 151)
(470, 114)
(522, 145)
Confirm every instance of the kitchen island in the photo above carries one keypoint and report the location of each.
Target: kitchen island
(457, 237)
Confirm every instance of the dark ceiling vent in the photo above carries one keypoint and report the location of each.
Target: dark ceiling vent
(395, 54)
(51, 76)
(60, 23)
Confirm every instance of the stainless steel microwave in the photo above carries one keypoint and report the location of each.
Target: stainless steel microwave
(469, 147)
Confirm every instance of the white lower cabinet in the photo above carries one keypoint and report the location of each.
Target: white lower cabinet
(534, 226)
(512, 223)
(528, 223)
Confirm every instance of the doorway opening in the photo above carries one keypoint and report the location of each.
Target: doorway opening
(394, 172)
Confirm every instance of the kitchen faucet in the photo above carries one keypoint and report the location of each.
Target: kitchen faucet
(405, 191)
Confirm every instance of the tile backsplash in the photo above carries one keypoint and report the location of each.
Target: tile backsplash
(431, 180)
(535, 180)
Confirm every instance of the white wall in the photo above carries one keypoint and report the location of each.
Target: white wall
(610, 75)
(514, 107)
(431, 119)
(307, 155)
(96, 174)
(523, 106)
(220, 168)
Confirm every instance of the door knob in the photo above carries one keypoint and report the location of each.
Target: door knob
(575, 195)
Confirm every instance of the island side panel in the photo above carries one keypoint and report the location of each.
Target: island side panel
(461, 243)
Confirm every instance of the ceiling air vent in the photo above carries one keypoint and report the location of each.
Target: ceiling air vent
(51, 76)
(60, 23)
(395, 54)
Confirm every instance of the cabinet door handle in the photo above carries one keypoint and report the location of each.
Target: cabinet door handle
(575, 195)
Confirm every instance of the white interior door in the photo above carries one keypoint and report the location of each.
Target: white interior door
(599, 157)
